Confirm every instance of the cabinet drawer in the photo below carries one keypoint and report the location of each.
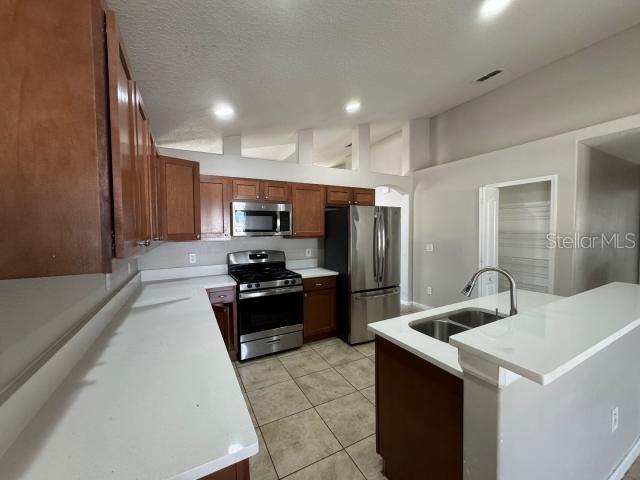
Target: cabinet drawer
(319, 283)
(222, 295)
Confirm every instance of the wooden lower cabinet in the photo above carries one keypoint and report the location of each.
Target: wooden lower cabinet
(319, 308)
(237, 471)
(419, 421)
(223, 302)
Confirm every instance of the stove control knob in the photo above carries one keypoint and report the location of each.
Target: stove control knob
(257, 285)
(286, 282)
(249, 286)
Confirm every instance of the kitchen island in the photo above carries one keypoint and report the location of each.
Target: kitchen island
(540, 394)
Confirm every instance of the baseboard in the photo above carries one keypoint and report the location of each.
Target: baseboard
(624, 466)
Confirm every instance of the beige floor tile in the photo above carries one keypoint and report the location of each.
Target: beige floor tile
(298, 441)
(367, 349)
(366, 458)
(325, 342)
(336, 467)
(370, 393)
(295, 351)
(634, 471)
(277, 401)
(304, 363)
(321, 387)
(350, 418)
(339, 353)
(262, 374)
(260, 466)
(253, 418)
(360, 374)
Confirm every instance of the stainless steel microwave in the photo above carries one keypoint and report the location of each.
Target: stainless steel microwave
(260, 219)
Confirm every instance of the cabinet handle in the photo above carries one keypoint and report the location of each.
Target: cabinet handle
(319, 284)
(222, 296)
(198, 236)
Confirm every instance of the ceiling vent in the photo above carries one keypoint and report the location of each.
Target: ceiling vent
(489, 75)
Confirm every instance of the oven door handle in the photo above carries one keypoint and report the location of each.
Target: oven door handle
(268, 293)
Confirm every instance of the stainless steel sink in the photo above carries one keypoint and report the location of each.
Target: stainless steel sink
(442, 327)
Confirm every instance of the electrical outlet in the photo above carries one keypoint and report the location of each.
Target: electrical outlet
(308, 252)
(429, 291)
(107, 281)
(615, 418)
(429, 248)
(192, 258)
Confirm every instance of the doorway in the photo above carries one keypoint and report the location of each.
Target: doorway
(516, 219)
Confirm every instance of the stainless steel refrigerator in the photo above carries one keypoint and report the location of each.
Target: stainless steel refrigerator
(363, 245)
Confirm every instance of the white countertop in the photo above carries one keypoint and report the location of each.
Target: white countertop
(155, 397)
(545, 342)
(314, 272)
(444, 355)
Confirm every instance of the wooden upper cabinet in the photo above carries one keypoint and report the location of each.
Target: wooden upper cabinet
(180, 199)
(308, 210)
(126, 119)
(275, 191)
(215, 209)
(339, 196)
(246, 189)
(54, 153)
(364, 196)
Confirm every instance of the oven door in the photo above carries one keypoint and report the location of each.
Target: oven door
(267, 313)
(260, 219)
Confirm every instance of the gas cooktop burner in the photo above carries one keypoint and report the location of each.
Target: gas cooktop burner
(260, 270)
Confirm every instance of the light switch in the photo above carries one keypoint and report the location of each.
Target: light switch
(429, 248)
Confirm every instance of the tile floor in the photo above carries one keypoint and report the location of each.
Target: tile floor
(634, 471)
(313, 409)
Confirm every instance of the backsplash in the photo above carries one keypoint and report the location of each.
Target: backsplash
(176, 254)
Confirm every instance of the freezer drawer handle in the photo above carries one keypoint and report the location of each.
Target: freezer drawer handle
(359, 297)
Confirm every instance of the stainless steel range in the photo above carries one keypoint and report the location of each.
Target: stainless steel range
(269, 302)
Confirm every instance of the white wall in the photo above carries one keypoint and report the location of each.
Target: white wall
(236, 166)
(386, 155)
(594, 85)
(558, 431)
(36, 312)
(445, 213)
(176, 254)
(609, 203)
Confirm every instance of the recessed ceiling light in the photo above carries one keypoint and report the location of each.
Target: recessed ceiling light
(352, 107)
(491, 8)
(224, 111)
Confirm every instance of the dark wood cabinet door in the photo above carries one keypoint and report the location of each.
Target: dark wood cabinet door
(55, 210)
(246, 189)
(124, 175)
(308, 210)
(339, 196)
(180, 185)
(364, 196)
(215, 206)
(275, 191)
(237, 471)
(419, 416)
(319, 314)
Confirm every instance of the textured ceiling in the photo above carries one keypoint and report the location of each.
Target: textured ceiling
(290, 64)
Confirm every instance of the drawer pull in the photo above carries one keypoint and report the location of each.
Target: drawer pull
(319, 284)
(222, 296)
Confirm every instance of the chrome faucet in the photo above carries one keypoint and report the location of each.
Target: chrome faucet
(468, 288)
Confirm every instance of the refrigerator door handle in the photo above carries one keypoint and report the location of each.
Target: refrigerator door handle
(375, 247)
(383, 247)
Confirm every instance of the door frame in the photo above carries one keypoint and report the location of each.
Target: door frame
(488, 219)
